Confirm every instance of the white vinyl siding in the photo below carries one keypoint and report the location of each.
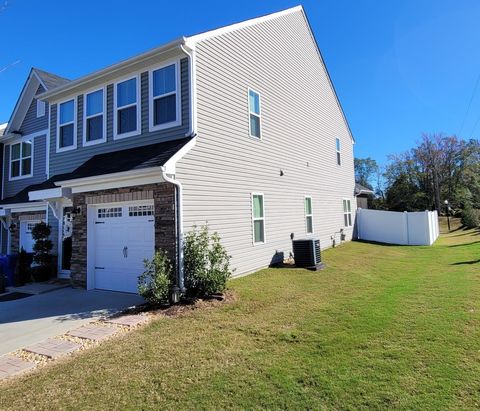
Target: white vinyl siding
(258, 218)
(300, 121)
(347, 213)
(67, 126)
(126, 121)
(308, 215)
(21, 164)
(94, 119)
(164, 104)
(254, 114)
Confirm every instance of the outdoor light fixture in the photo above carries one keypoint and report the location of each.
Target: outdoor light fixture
(12, 227)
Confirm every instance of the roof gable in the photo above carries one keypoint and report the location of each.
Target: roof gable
(35, 79)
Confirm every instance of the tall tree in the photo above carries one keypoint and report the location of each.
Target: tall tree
(365, 171)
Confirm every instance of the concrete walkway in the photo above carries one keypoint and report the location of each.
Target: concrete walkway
(34, 319)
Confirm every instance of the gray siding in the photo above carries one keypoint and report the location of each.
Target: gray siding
(11, 188)
(31, 123)
(69, 160)
(300, 121)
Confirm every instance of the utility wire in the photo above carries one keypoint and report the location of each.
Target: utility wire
(469, 105)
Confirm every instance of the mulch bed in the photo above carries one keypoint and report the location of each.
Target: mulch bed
(184, 306)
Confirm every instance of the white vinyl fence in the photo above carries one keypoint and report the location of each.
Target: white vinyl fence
(418, 228)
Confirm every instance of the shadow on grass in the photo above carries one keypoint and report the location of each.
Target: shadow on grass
(463, 245)
(378, 243)
(467, 262)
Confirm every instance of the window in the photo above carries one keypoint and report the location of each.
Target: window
(308, 215)
(21, 159)
(337, 146)
(140, 211)
(126, 108)
(164, 104)
(110, 212)
(254, 113)
(40, 108)
(258, 218)
(66, 126)
(347, 213)
(94, 118)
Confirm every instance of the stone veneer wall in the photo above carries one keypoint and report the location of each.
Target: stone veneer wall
(163, 195)
(16, 218)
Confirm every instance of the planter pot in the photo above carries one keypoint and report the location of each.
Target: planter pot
(40, 273)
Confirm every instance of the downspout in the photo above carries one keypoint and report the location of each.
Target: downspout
(178, 185)
(180, 232)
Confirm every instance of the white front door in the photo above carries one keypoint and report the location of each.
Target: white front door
(26, 240)
(123, 237)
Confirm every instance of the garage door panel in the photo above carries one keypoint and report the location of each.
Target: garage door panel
(121, 245)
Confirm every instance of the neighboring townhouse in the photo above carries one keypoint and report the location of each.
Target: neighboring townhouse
(239, 127)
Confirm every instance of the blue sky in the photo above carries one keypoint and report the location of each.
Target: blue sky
(400, 67)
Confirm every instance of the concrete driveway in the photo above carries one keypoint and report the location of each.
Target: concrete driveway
(33, 319)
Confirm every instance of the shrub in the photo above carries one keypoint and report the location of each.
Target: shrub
(42, 247)
(22, 274)
(470, 217)
(206, 262)
(155, 282)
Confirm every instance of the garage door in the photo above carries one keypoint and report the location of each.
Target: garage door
(124, 237)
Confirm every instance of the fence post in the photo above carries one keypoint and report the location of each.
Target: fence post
(407, 231)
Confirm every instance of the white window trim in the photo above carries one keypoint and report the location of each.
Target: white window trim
(41, 108)
(255, 114)
(22, 140)
(178, 93)
(74, 122)
(260, 218)
(347, 212)
(338, 153)
(136, 132)
(308, 215)
(85, 117)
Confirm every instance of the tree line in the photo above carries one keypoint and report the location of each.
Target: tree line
(438, 168)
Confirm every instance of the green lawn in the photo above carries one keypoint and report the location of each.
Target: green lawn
(381, 327)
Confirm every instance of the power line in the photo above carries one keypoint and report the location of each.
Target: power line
(469, 105)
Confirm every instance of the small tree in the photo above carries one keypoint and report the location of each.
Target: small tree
(42, 247)
(206, 262)
(155, 282)
(470, 217)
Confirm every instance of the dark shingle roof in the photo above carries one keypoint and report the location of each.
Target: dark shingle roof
(137, 158)
(50, 80)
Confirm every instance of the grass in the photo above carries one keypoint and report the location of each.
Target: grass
(381, 327)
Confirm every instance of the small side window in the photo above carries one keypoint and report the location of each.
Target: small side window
(347, 213)
(337, 146)
(258, 217)
(308, 215)
(254, 114)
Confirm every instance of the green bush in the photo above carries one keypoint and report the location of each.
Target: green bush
(155, 282)
(206, 262)
(22, 274)
(471, 217)
(42, 247)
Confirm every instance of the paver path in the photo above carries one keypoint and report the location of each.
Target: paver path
(93, 332)
(52, 348)
(10, 365)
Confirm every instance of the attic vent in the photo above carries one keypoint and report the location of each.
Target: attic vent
(40, 108)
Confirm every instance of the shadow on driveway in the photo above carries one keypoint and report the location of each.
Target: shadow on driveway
(34, 319)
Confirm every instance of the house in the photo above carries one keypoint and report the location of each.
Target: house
(362, 194)
(239, 127)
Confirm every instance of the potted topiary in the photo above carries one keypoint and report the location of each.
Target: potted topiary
(22, 274)
(42, 258)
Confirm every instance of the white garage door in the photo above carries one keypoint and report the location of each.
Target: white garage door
(124, 237)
